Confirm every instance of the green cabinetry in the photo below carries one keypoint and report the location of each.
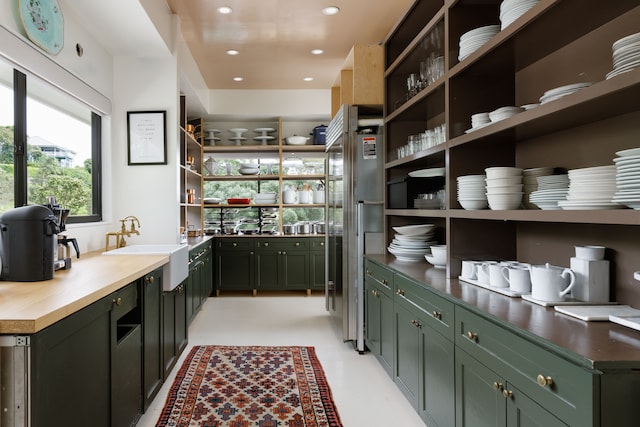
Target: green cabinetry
(378, 335)
(317, 258)
(235, 264)
(282, 264)
(200, 281)
(174, 331)
(152, 336)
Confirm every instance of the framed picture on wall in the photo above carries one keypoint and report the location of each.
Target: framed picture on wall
(147, 137)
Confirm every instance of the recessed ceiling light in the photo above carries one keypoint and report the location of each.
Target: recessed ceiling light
(317, 52)
(232, 52)
(238, 79)
(308, 79)
(331, 10)
(225, 10)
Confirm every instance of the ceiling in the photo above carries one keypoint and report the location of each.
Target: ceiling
(275, 38)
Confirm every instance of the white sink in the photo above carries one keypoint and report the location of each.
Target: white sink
(174, 272)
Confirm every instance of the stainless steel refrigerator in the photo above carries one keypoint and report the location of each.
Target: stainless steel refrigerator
(355, 210)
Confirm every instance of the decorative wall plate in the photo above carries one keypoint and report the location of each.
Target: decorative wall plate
(43, 23)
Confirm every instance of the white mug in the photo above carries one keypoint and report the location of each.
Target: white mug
(470, 269)
(289, 196)
(549, 283)
(483, 272)
(305, 196)
(518, 277)
(496, 279)
(318, 196)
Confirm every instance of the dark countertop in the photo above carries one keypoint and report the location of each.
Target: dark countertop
(599, 345)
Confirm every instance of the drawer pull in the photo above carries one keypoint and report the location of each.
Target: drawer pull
(266, 244)
(507, 393)
(368, 272)
(375, 293)
(117, 301)
(150, 279)
(544, 381)
(400, 292)
(416, 323)
(384, 282)
(472, 336)
(321, 243)
(497, 386)
(437, 314)
(297, 243)
(235, 244)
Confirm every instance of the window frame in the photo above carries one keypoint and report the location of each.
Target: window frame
(20, 177)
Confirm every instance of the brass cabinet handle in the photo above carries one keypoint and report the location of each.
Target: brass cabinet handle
(368, 272)
(473, 336)
(416, 323)
(251, 253)
(384, 282)
(284, 252)
(321, 243)
(235, 244)
(507, 393)
(375, 293)
(150, 279)
(437, 314)
(297, 243)
(117, 301)
(266, 244)
(544, 381)
(497, 386)
(400, 292)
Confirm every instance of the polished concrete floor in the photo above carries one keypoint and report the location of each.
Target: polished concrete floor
(364, 394)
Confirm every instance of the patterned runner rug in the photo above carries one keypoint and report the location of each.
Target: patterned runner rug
(223, 386)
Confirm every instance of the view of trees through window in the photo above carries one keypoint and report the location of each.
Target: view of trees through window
(59, 147)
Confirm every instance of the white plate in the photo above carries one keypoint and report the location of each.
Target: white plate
(259, 130)
(413, 230)
(588, 205)
(237, 130)
(632, 38)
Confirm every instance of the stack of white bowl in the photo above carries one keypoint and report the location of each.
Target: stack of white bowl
(551, 190)
(530, 182)
(472, 193)
(437, 256)
(474, 39)
(248, 169)
(626, 55)
(510, 10)
(504, 187)
(628, 178)
(591, 188)
(412, 242)
(504, 113)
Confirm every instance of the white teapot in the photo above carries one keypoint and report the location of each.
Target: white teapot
(550, 283)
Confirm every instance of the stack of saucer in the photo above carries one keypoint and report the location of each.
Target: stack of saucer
(591, 188)
(529, 179)
(504, 113)
(628, 178)
(413, 242)
(626, 55)
(559, 92)
(551, 190)
(504, 187)
(510, 10)
(474, 39)
(472, 192)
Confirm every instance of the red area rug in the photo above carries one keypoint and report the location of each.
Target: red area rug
(223, 386)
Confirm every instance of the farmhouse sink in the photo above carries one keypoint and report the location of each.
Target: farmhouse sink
(174, 272)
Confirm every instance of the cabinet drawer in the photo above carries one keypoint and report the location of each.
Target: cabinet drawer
(380, 274)
(283, 244)
(236, 244)
(439, 312)
(565, 389)
(317, 244)
(125, 300)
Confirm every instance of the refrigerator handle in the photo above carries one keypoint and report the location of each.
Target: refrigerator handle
(360, 276)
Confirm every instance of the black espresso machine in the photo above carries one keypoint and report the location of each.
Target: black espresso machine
(27, 237)
(61, 250)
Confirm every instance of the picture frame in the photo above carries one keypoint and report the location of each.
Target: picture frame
(146, 138)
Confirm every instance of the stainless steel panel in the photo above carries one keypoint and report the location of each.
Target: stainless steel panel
(15, 363)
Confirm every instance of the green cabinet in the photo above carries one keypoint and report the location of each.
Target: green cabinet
(174, 331)
(379, 315)
(152, 336)
(71, 370)
(235, 264)
(199, 283)
(317, 260)
(282, 263)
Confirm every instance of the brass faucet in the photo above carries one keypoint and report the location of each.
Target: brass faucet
(119, 235)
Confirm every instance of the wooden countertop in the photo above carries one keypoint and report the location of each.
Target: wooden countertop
(595, 345)
(28, 307)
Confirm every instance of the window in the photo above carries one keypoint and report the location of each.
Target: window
(59, 154)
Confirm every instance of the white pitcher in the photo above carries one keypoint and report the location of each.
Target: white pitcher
(549, 283)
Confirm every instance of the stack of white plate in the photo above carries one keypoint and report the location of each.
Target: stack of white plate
(427, 173)
(268, 198)
(472, 192)
(412, 242)
(504, 113)
(551, 190)
(530, 182)
(559, 92)
(504, 187)
(474, 39)
(628, 178)
(510, 10)
(626, 55)
(591, 188)
(478, 121)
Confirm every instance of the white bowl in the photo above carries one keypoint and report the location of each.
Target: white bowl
(471, 205)
(509, 189)
(438, 251)
(436, 262)
(502, 172)
(591, 253)
(296, 140)
(509, 180)
(504, 201)
(412, 230)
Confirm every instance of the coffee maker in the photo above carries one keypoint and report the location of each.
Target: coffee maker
(27, 235)
(61, 249)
